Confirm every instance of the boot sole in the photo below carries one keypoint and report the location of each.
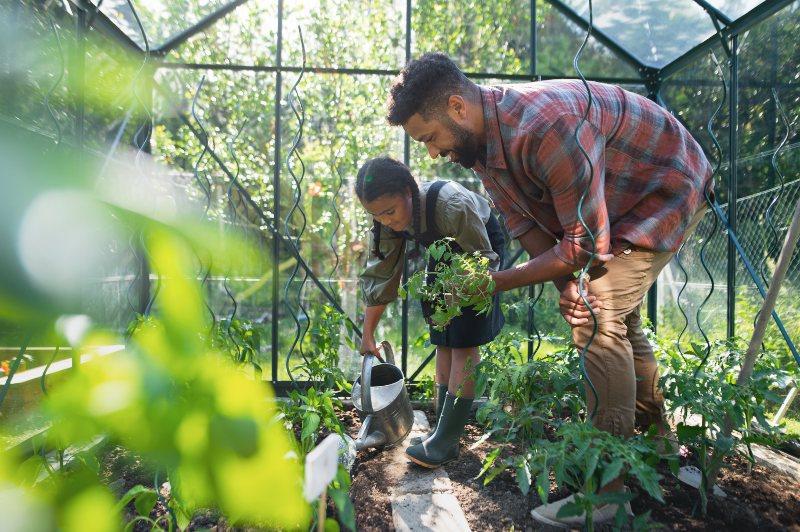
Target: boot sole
(566, 526)
(430, 466)
(549, 522)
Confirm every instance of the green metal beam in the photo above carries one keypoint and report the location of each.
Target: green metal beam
(207, 21)
(103, 25)
(713, 11)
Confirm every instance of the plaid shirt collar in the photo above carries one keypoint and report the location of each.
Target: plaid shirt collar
(495, 157)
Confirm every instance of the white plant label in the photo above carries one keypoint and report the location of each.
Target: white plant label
(321, 466)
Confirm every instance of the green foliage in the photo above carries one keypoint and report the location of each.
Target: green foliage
(309, 412)
(327, 331)
(459, 280)
(423, 389)
(179, 404)
(240, 340)
(709, 390)
(582, 459)
(526, 396)
(305, 415)
(339, 491)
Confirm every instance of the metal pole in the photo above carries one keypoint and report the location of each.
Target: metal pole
(276, 199)
(77, 81)
(531, 288)
(142, 142)
(533, 40)
(407, 161)
(785, 406)
(653, 84)
(77, 77)
(733, 140)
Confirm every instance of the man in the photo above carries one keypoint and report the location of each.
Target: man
(634, 170)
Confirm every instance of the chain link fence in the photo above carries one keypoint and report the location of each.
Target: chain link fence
(702, 284)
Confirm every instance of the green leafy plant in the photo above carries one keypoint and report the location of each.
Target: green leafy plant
(582, 459)
(176, 402)
(327, 331)
(525, 396)
(339, 491)
(422, 389)
(305, 414)
(240, 340)
(308, 412)
(459, 280)
(703, 384)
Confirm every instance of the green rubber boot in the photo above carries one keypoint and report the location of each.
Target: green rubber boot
(441, 392)
(443, 446)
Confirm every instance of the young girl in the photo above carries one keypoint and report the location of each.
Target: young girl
(405, 214)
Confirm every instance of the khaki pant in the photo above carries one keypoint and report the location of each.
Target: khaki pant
(620, 361)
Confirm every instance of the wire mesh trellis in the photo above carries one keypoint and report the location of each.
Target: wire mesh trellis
(754, 235)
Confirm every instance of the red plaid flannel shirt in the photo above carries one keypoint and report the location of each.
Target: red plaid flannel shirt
(645, 173)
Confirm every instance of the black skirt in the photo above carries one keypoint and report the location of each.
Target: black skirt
(471, 329)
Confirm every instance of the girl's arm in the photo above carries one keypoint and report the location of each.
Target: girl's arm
(379, 281)
(371, 319)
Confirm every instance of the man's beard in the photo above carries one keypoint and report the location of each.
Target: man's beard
(467, 149)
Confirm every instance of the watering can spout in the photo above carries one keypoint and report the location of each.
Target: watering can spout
(366, 439)
(376, 439)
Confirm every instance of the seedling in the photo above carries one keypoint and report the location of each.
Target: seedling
(458, 281)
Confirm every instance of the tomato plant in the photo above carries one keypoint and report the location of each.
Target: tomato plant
(458, 281)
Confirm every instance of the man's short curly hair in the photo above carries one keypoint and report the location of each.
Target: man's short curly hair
(424, 86)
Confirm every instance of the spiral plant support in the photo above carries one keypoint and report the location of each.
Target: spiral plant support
(293, 240)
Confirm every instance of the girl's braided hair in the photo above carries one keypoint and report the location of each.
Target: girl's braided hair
(383, 176)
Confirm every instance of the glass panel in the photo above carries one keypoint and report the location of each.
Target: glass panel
(768, 62)
(557, 42)
(735, 8)
(693, 94)
(345, 33)
(479, 36)
(231, 108)
(160, 19)
(336, 140)
(699, 286)
(654, 31)
(247, 36)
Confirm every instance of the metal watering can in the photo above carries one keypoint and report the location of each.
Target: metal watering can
(382, 402)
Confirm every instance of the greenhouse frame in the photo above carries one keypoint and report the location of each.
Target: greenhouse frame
(252, 118)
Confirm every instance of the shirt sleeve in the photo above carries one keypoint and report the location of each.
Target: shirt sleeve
(568, 173)
(380, 278)
(516, 223)
(460, 218)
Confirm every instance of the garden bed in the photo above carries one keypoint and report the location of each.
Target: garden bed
(760, 499)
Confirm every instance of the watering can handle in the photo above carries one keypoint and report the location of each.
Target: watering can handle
(388, 352)
(366, 378)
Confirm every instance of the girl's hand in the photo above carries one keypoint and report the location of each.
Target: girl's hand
(368, 345)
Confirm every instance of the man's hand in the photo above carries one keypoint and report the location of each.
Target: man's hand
(572, 306)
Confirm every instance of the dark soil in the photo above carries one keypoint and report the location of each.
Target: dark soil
(122, 470)
(758, 499)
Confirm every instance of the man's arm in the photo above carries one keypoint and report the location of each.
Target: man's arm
(540, 269)
(536, 242)
(546, 266)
